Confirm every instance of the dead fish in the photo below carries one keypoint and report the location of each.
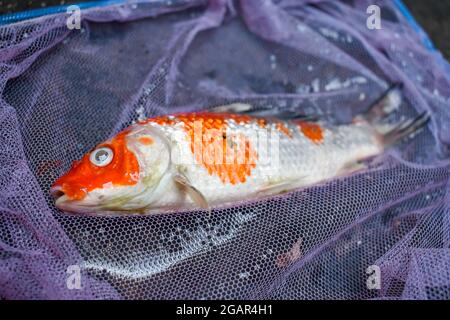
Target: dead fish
(227, 154)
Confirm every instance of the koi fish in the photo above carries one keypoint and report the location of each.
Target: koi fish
(227, 154)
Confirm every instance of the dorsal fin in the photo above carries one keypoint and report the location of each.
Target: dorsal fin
(236, 107)
(244, 108)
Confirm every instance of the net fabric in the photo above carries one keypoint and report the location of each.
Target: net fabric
(63, 91)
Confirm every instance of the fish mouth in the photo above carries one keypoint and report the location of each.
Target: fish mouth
(62, 202)
(58, 195)
(57, 192)
(60, 198)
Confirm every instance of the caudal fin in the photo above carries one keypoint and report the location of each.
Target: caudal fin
(404, 129)
(383, 107)
(387, 103)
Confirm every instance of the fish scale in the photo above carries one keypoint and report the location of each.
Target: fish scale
(298, 161)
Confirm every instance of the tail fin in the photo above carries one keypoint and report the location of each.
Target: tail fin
(384, 106)
(404, 129)
(389, 101)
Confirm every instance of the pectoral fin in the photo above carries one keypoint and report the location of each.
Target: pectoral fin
(280, 187)
(352, 167)
(191, 191)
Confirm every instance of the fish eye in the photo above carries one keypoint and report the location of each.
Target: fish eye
(101, 157)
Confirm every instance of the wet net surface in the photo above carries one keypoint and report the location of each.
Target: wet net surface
(63, 91)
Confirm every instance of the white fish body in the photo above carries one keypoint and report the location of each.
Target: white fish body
(298, 161)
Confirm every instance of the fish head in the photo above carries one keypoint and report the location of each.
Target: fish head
(119, 174)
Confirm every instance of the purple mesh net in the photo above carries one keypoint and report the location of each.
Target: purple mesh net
(63, 91)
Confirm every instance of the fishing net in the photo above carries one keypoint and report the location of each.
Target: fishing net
(381, 233)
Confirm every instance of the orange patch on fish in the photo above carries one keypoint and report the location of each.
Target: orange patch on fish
(312, 131)
(285, 130)
(231, 158)
(261, 122)
(84, 176)
(146, 141)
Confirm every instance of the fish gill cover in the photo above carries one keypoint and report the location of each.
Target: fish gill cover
(383, 233)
